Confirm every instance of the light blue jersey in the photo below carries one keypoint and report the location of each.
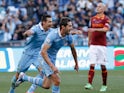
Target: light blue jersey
(56, 41)
(32, 48)
(35, 41)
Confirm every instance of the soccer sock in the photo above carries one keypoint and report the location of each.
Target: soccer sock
(104, 76)
(12, 88)
(55, 89)
(33, 80)
(13, 81)
(91, 74)
(33, 86)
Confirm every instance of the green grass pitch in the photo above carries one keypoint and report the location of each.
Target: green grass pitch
(71, 82)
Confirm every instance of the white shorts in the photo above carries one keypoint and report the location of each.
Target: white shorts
(98, 54)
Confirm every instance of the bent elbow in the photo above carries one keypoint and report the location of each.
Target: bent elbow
(42, 53)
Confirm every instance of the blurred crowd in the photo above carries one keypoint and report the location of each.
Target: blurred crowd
(16, 16)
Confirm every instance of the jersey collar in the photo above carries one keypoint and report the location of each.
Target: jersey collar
(41, 27)
(59, 32)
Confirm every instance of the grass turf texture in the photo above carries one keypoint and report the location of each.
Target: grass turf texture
(71, 82)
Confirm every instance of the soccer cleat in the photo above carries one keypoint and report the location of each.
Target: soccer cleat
(29, 92)
(19, 80)
(103, 88)
(88, 86)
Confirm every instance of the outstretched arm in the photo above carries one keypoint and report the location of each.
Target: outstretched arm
(75, 31)
(28, 33)
(73, 50)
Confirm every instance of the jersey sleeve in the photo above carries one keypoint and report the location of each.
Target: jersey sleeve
(107, 24)
(33, 29)
(49, 39)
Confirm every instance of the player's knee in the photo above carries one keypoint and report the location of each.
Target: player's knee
(103, 67)
(92, 66)
(57, 82)
(46, 87)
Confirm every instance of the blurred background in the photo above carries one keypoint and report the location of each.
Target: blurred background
(16, 16)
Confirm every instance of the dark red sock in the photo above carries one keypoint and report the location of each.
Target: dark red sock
(104, 76)
(91, 74)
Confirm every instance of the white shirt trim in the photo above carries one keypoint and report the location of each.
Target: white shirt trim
(41, 27)
(59, 32)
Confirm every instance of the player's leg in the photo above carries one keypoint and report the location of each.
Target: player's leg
(92, 60)
(33, 86)
(37, 64)
(42, 82)
(53, 77)
(90, 77)
(56, 83)
(22, 67)
(102, 59)
(104, 78)
(45, 83)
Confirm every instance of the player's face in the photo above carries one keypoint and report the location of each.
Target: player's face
(68, 28)
(100, 8)
(48, 23)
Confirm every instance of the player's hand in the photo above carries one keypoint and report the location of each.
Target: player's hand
(25, 35)
(55, 69)
(76, 32)
(76, 67)
(88, 43)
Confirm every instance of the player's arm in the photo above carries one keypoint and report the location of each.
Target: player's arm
(44, 54)
(73, 50)
(75, 31)
(89, 33)
(89, 37)
(28, 33)
(104, 29)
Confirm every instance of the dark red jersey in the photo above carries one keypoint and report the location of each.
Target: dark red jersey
(97, 37)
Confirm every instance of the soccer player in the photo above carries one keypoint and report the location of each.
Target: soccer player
(54, 41)
(36, 36)
(97, 43)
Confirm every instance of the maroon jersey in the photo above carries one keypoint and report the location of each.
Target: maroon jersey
(97, 37)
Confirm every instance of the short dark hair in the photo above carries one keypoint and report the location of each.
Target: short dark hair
(44, 17)
(1, 24)
(64, 21)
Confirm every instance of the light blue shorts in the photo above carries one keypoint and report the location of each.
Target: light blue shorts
(26, 61)
(46, 68)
